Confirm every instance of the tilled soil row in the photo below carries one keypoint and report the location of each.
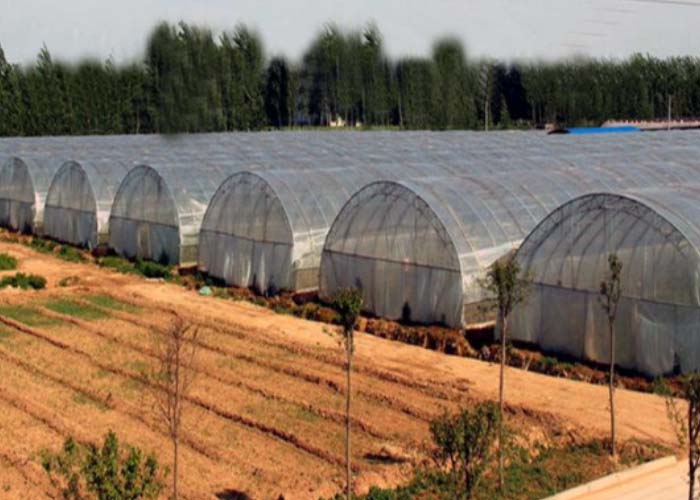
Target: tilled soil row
(30, 471)
(228, 379)
(436, 389)
(285, 436)
(114, 404)
(328, 383)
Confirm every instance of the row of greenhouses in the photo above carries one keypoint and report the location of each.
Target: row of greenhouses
(413, 219)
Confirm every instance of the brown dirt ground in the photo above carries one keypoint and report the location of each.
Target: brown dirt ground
(265, 415)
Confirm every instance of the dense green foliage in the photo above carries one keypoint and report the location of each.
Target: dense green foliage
(24, 281)
(465, 443)
(192, 81)
(103, 473)
(7, 262)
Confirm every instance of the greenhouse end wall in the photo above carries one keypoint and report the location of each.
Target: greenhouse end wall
(388, 242)
(658, 320)
(144, 222)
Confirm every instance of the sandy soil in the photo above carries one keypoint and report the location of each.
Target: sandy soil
(265, 415)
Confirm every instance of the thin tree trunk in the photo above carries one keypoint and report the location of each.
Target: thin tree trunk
(612, 389)
(175, 466)
(348, 470)
(176, 417)
(501, 401)
(691, 448)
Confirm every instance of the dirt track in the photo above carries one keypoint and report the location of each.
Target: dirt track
(266, 414)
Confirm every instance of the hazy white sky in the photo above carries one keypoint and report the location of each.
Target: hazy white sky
(505, 29)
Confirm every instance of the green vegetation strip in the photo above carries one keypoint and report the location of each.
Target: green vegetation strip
(107, 302)
(27, 315)
(75, 309)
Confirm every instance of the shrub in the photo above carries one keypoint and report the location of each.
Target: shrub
(118, 264)
(70, 254)
(106, 473)
(465, 444)
(7, 262)
(151, 269)
(24, 281)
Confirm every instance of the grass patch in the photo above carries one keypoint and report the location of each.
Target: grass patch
(305, 415)
(5, 335)
(7, 262)
(24, 281)
(107, 302)
(84, 399)
(138, 366)
(28, 316)
(529, 478)
(75, 309)
(144, 268)
(63, 252)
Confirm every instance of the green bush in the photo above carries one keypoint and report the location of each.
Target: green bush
(103, 473)
(24, 281)
(118, 264)
(151, 269)
(7, 262)
(70, 254)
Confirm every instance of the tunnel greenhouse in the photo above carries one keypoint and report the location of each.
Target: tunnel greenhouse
(418, 248)
(24, 184)
(158, 210)
(656, 235)
(79, 201)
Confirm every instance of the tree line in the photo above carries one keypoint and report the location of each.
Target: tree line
(190, 80)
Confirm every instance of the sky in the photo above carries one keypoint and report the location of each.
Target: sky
(503, 29)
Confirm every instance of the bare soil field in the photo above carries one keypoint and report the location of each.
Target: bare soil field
(265, 416)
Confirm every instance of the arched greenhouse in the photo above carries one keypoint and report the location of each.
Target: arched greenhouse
(24, 184)
(158, 210)
(265, 229)
(79, 201)
(656, 235)
(418, 248)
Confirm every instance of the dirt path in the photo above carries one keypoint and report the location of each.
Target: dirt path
(266, 416)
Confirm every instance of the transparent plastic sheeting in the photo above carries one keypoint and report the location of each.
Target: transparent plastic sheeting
(158, 210)
(80, 199)
(24, 183)
(655, 234)
(421, 246)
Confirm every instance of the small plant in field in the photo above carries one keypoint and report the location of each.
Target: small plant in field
(173, 375)
(24, 281)
(610, 295)
(464, 445)
(691, 391)
(348, 304)
(7, 262)
(108, 472)
(506, 282)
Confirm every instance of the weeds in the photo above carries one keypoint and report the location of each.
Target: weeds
(107, 302)
(7, 262)
(75, 309)
(23, 281)
(27, 315)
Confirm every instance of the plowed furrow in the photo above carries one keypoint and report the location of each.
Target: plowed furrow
(435, 389)
(287, 437)
(227, 379)
(113, 403)
(327, 383)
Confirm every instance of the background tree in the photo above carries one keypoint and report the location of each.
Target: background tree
(610, 294)
(348, 304)
(172, 377)
(504, 282)
(464, 445)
